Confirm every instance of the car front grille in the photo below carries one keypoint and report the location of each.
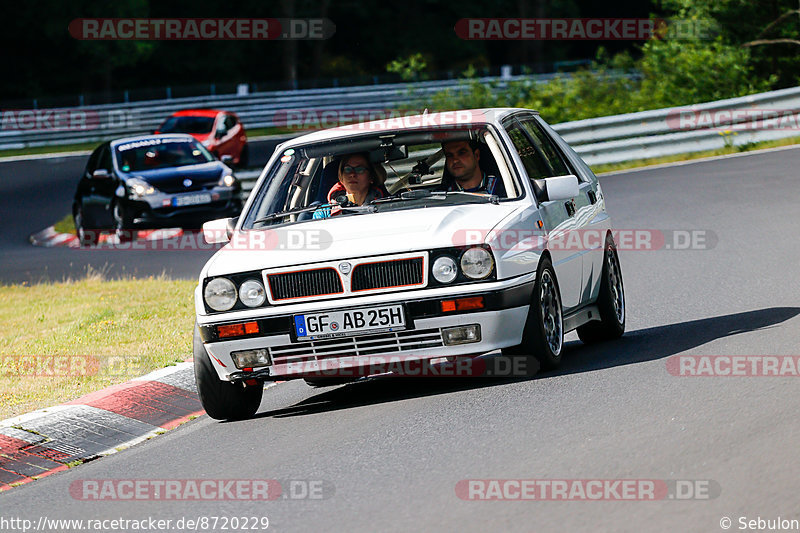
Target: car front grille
(382, 343)
(385, 274)
(315, 282)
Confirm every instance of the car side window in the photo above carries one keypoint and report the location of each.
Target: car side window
(544, 146)
(230, 121)
(91, 166)
(535, 164)
(105, 159)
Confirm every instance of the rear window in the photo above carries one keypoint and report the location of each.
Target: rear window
(187, 125)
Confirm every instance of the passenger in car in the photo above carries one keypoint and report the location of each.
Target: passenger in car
(463, 170)
(360, 182)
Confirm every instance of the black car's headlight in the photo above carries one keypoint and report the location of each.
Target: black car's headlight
(227, 179)
(139, 188)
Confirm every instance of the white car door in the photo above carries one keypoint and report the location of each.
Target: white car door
(541, 161)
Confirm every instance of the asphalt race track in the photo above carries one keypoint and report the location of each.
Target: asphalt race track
(391, 451)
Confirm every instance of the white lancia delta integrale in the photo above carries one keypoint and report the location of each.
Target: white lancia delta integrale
(320, 279)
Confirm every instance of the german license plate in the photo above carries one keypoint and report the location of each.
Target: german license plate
(191, 199)
(350, 322)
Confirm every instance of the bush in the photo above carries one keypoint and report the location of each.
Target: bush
(670, 73)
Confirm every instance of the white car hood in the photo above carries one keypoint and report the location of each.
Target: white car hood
(353, 236)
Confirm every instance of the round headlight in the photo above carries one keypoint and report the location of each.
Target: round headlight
(252, 293)
(444, 269)
(220, 294)
(477, 263)
(227, 180)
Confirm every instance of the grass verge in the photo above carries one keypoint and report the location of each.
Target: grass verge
(63, 340)
(65, 225)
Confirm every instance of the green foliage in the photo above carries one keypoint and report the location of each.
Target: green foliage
(410, 68)
(671, 72)
(681, 72)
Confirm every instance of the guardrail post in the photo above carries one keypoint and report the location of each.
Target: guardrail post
(80, 100)
(169, 93)
(213, 90)
(127, 96)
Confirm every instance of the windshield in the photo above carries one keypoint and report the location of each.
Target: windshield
(150, 154)
(187, 125)
(384, 172)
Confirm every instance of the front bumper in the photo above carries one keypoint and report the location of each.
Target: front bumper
(156, 211)
(501, 322)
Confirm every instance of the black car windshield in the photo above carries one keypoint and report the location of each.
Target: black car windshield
(150, 154)
(386, 171)
(187, 125)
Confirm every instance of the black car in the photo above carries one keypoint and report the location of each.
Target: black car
(153, 181)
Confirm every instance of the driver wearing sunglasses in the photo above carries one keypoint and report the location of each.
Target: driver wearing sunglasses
(360, 182)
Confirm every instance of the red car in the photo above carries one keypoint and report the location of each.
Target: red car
(221, 132)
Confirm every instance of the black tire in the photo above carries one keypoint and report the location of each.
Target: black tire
(86, 237)
(610, 301)
(122, 224)
(543, 337)
(222, 400)
(244, 157)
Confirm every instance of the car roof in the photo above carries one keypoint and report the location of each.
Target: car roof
(197, 113)
(123, 140)
(442, 119)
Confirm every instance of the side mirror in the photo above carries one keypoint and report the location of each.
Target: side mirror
(220, 230)
(100, 174)
(227, 159)
(557, 188)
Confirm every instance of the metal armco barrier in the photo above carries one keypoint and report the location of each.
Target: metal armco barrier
(601, 140)
(661, 132)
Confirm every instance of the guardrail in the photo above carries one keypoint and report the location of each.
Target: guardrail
(257, 110)
(660, 132)
(709, 126)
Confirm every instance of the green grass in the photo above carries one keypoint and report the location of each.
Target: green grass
(626, 165)
(65, 225)
(81, 147)
(120, 329)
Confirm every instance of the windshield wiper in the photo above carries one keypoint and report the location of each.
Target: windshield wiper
(282, 214)
(290, 212)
